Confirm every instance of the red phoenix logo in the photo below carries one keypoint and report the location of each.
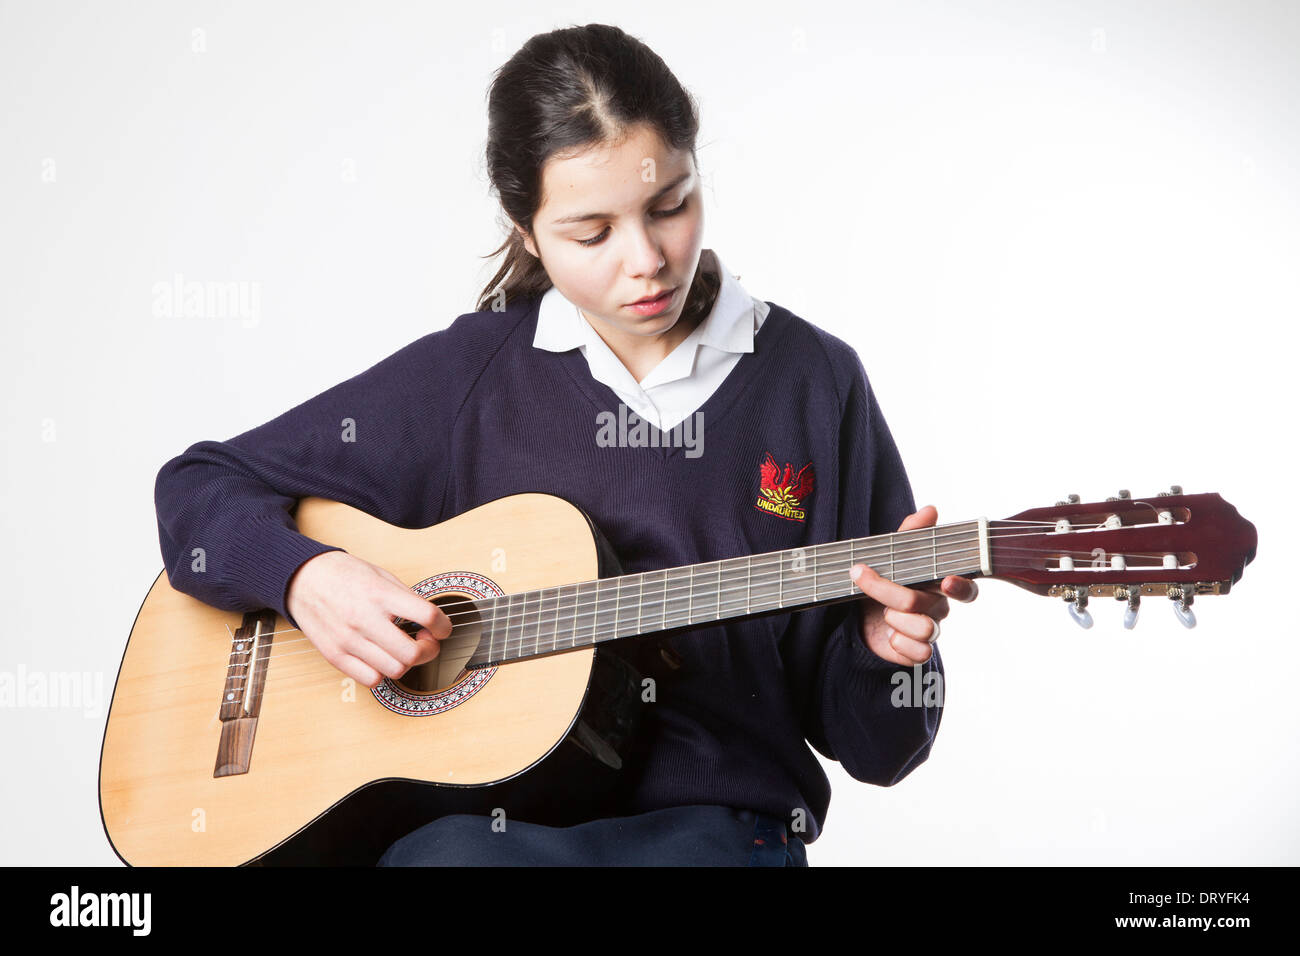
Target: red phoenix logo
(783, 493)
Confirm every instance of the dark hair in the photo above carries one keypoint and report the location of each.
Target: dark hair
(563, 92)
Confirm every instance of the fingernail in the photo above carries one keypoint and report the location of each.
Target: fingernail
(855, 572)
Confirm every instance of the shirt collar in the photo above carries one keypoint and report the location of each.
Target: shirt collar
(729, 326)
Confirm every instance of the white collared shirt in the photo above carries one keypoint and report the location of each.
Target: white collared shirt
(687, 376)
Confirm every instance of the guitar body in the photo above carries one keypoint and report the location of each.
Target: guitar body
(334, 772)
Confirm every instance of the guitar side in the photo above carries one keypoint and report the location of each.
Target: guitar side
(319, 738)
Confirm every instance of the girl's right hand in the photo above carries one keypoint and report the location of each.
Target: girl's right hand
(345, 606)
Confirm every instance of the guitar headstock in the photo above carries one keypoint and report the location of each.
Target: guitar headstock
(1172, 545)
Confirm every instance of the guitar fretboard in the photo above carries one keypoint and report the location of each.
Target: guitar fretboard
(585, 613)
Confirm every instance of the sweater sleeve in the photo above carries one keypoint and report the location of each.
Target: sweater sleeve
(225, 509)
(846, 692)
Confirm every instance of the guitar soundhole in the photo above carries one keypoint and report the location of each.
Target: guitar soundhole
(445, 670)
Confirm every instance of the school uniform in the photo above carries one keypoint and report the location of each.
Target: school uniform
(502, 403)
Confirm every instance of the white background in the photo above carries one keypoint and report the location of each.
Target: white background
(1063, 238)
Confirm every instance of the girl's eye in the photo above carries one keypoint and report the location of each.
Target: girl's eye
(662, 214)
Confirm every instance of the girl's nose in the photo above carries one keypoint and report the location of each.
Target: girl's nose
(644, 257)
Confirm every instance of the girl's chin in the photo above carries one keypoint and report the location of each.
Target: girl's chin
(644, 325)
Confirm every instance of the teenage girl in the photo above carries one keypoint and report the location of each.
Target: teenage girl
(606, 298)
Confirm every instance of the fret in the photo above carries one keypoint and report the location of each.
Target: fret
(762, 598)
(815, 573)
(584, 618)
(663, 610)
(853, 559)
(703, 611)
(565, 607)
(717, 594)
(492, 630)
(650, 609)
(798, 576)
(618, 593)
(749, 574)
(678, 602)
(913, 567)
(934, 556)
(628, 588)
(528, 626)
(890, 575)
(851, 587)
(504, 629)
(640, 596)
(836, 571)
(509, 652)
(606, 609)
(641, 580)
(546, 619)
(732, 600)
(690, 592)
(838, 560)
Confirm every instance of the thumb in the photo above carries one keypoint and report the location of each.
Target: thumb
(927, 516)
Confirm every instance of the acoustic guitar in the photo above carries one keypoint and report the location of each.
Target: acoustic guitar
(231, 740)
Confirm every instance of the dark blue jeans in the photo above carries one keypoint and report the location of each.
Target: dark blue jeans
(674, 836)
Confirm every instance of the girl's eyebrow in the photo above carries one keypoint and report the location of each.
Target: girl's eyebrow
(609, 215)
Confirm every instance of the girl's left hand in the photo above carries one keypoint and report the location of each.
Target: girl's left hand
(900, 623)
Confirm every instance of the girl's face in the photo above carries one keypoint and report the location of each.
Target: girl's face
(618, 224)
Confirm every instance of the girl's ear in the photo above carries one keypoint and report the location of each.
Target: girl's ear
(526, 239)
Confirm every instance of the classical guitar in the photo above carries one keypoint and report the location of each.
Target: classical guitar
(231, 740)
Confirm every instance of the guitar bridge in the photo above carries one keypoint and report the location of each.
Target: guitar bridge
(241, 698)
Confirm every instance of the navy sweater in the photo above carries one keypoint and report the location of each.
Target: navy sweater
(474, 412)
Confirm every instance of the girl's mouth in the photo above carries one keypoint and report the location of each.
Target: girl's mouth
(654, 306)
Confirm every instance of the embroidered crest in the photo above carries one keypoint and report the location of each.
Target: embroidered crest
(784, 494)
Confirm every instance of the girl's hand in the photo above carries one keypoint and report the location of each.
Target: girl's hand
(900, 623)
(345, 606)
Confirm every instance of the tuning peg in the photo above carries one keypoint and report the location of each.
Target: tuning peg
(1182, 598)
(1072, 500)
(1173, 490)
(1131, 612)
(1076, 601)
(1123, 494)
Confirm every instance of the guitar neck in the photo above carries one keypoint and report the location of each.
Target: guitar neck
(554, 619)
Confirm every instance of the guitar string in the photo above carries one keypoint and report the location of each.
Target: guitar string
(764, 570)
(316, 671)
(923, 546)
(603, 587)
(319, 669)
(806, 588)
(771, 566)
(281, 676)
(811, 588)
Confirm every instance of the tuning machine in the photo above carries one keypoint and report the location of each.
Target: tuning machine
(1076, 600)
(1173, 490)
(1071, 500)
(1182, 595)
(1133, 595)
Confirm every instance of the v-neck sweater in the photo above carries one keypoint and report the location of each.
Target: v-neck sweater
(475, 412)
